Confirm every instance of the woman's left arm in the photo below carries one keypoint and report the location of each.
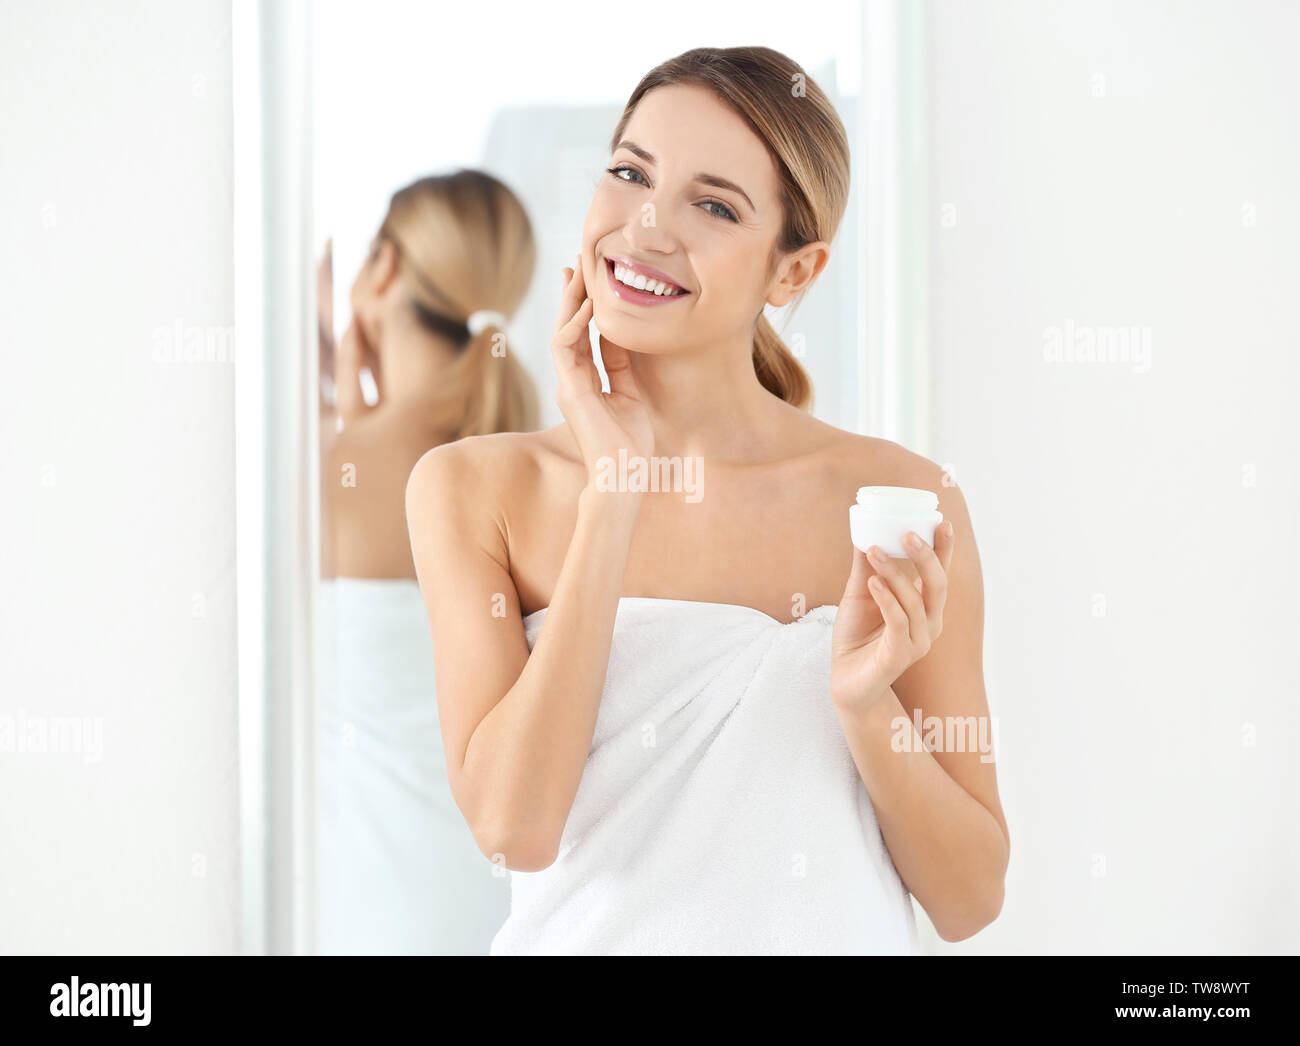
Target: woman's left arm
(938, 809)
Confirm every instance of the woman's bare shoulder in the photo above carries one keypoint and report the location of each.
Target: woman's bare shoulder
(492, 471)
(874, 461)
(854, 460)
(894, 462)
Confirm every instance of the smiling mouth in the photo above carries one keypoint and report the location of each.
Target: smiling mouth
(639, 284)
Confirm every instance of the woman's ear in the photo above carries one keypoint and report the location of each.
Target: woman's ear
(383, 266)
(796, 271)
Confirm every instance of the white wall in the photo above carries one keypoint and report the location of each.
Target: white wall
(118, 522)
(1126, 164)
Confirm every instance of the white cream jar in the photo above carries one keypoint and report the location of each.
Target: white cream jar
(884, 514)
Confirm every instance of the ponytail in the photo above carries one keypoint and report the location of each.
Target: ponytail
(487, 390)
(466, 242)
(777, 369)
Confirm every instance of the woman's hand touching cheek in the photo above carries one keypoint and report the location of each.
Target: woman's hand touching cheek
(602, 422)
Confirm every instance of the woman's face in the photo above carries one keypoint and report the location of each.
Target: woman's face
(694, 199)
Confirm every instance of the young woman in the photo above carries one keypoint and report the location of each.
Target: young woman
(642, 718)
(400, 871)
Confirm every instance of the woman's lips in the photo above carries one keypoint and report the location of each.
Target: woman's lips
(636, 297)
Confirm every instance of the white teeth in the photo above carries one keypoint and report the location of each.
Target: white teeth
(641, 282)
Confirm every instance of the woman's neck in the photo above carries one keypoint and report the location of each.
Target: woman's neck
(711, 405)
(412, 365)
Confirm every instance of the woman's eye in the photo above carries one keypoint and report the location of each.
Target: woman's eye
(726, 211)
(618, 173)
(635, 177)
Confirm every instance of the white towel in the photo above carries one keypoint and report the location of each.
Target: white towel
(400, 873)
(720, 810)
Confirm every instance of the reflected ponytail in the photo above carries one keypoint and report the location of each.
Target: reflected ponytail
(467, 243)
(487, 389)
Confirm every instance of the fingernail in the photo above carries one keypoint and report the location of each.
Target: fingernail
(876, 556)
(915, 540)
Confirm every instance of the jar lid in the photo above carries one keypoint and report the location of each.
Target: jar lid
(898, 501)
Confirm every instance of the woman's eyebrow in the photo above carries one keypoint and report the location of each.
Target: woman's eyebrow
(705, 179)
(722, 183)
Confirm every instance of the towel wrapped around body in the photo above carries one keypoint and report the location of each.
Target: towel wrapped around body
(720, 810)
(400, 872)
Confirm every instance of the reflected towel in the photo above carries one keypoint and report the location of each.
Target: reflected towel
(720, 810)
(400, 872)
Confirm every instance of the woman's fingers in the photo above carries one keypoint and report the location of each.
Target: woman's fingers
(945, 539)
(574, 305)
(566, 310)
(348, 398)
(325, 311)
(571, 344)
(576, 326)
(571, 299)
(581, 290)
(932, 575)
(909, 598)
(369, 358)
(895, 617)
(859, 574)
(571, 351)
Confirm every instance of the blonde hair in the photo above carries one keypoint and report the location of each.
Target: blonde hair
(806, 139)
(467, 243)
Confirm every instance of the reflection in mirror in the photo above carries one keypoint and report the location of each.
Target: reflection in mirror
(399, 869)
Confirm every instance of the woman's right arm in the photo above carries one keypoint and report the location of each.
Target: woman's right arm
(517, 727)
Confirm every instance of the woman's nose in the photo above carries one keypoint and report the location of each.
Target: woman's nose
(649, 228)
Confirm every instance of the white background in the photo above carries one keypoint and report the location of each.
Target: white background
(117, 578)
(1148, 763)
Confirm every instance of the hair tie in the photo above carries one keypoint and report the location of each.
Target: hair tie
(481, 320)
